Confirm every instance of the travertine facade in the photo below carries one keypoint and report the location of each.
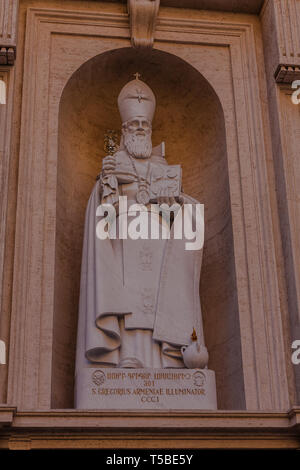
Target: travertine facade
(223, 83)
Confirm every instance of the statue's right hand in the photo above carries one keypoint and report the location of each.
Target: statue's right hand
(108, 165)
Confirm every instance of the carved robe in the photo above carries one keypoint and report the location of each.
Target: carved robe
(135, 294)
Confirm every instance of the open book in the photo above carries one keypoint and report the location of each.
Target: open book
(164, 178)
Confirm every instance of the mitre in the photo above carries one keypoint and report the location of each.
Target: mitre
(136, 99)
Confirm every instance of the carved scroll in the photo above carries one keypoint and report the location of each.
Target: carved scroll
(143, 14)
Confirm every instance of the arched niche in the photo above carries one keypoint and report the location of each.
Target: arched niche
(189, 118)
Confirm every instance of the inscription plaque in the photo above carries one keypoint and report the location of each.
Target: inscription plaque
(174, 389)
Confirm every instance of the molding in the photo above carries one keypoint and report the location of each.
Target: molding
(142, 14)
(123, 429)
(7, 415)
(262, 341)
(280, 25)
(287, 73)
(235, 6)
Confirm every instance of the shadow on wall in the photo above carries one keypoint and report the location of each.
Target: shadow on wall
(190, 119)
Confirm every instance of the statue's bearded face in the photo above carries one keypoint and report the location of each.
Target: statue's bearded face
(137, 137)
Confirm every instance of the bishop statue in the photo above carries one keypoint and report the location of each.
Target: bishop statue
(139, 298)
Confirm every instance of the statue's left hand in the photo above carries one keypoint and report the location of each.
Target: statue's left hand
(165, 198)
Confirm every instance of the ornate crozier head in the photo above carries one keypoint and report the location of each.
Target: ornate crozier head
(136, 103)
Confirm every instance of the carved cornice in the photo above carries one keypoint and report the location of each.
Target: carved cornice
(282, 39)
(143, 14)
(7, 55)
(287, 73)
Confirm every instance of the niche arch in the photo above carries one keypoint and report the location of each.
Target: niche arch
(190, 119)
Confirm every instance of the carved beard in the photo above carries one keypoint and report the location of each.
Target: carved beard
(138, 146)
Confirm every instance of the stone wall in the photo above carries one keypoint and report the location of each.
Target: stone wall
(223, 85)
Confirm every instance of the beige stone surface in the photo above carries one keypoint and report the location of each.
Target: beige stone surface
(199, 174)
(7, 75)
(8, 22)
(244, 6)
(8, 31)
(105, 429)
(8, 35)
(281, 44)
(55, 370)
(249, 285)
(142, 15)
(133, 314)
(145, 389)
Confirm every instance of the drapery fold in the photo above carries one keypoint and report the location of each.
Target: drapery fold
(105, 298)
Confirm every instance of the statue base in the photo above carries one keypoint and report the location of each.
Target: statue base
(146, 389)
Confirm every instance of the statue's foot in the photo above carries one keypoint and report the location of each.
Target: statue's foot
(130, 363)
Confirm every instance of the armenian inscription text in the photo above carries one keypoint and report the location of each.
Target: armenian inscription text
(115, 388)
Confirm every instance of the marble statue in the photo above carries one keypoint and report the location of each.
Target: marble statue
(139, 298)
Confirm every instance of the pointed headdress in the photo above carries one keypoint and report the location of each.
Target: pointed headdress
(136, 99)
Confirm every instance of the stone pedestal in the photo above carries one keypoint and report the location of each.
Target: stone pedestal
(166, 389)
